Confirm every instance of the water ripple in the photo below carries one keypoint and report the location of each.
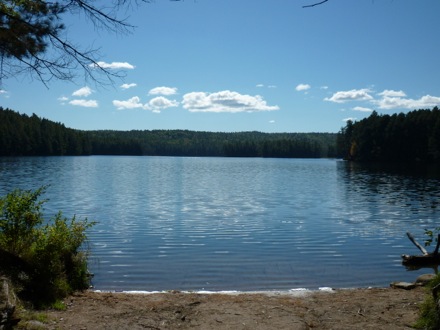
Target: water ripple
(235, 224)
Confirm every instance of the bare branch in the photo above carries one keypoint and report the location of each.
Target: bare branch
(315, 4)
(99, 17)
(42, 53)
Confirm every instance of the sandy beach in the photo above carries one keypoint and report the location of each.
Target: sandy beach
(372, 308)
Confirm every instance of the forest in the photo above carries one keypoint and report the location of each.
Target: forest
(410, 137)
(23, 135)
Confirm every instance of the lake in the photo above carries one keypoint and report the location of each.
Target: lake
(244, 224)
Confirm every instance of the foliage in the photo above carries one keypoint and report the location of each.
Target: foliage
(411, 137)
(429, 318)
(20, 218)
(59, 306)
(21, 135)
(26, 316)
(432, 235)
(33, 37)
(54, 250)
(26, 25)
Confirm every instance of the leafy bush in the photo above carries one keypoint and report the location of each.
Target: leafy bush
(429, 317)
(52, 254)
(20, 218)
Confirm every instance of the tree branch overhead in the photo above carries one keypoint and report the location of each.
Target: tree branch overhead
(315, 4)
(33, 39)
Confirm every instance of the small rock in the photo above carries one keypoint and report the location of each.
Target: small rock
(403, 285)
(424, 279)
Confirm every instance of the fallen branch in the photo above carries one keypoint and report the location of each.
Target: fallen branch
(413, 240)
(424, 260)
(427, 259)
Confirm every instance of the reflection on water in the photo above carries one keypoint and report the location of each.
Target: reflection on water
(236, 223)
(410, 194)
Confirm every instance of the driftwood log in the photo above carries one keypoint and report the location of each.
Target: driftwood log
(426, 259)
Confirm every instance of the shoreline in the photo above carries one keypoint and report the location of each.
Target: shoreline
(290, 292)
(356, 308)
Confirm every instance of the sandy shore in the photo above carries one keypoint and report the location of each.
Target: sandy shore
(376, 308)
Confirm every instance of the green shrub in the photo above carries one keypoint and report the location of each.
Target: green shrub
(20, 218)
(429, 317)
(55, 251)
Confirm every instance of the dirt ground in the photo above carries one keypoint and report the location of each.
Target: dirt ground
(377, 308)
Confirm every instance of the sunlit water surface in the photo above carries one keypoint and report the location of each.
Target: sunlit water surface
(236, 223)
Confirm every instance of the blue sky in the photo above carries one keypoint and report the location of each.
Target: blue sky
(242, 65)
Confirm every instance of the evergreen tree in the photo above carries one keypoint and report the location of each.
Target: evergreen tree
(410, 137)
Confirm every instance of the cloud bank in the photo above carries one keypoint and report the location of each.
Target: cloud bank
(394, 102)
(225, 101)
(385, 100)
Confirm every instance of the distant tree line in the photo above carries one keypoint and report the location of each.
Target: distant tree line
(23, 135)
(191, 143)
(411, 137)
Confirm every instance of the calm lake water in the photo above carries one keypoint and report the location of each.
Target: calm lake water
(236, 223)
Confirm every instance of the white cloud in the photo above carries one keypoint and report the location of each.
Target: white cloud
(386, 100)
(113, 65)
(391, 99)
(155, 104)
(82, 92)
(268, 86)
(427, 101)
(127, 86)
(271, 121)
(225, 101)
(392, 93)
(160, 103)
(324, 87)
(85, 103)
(4, 93)
(302, 87)
(163, 91)
(133, 103)
(63, 100)
(352, 95)
(362, 109)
